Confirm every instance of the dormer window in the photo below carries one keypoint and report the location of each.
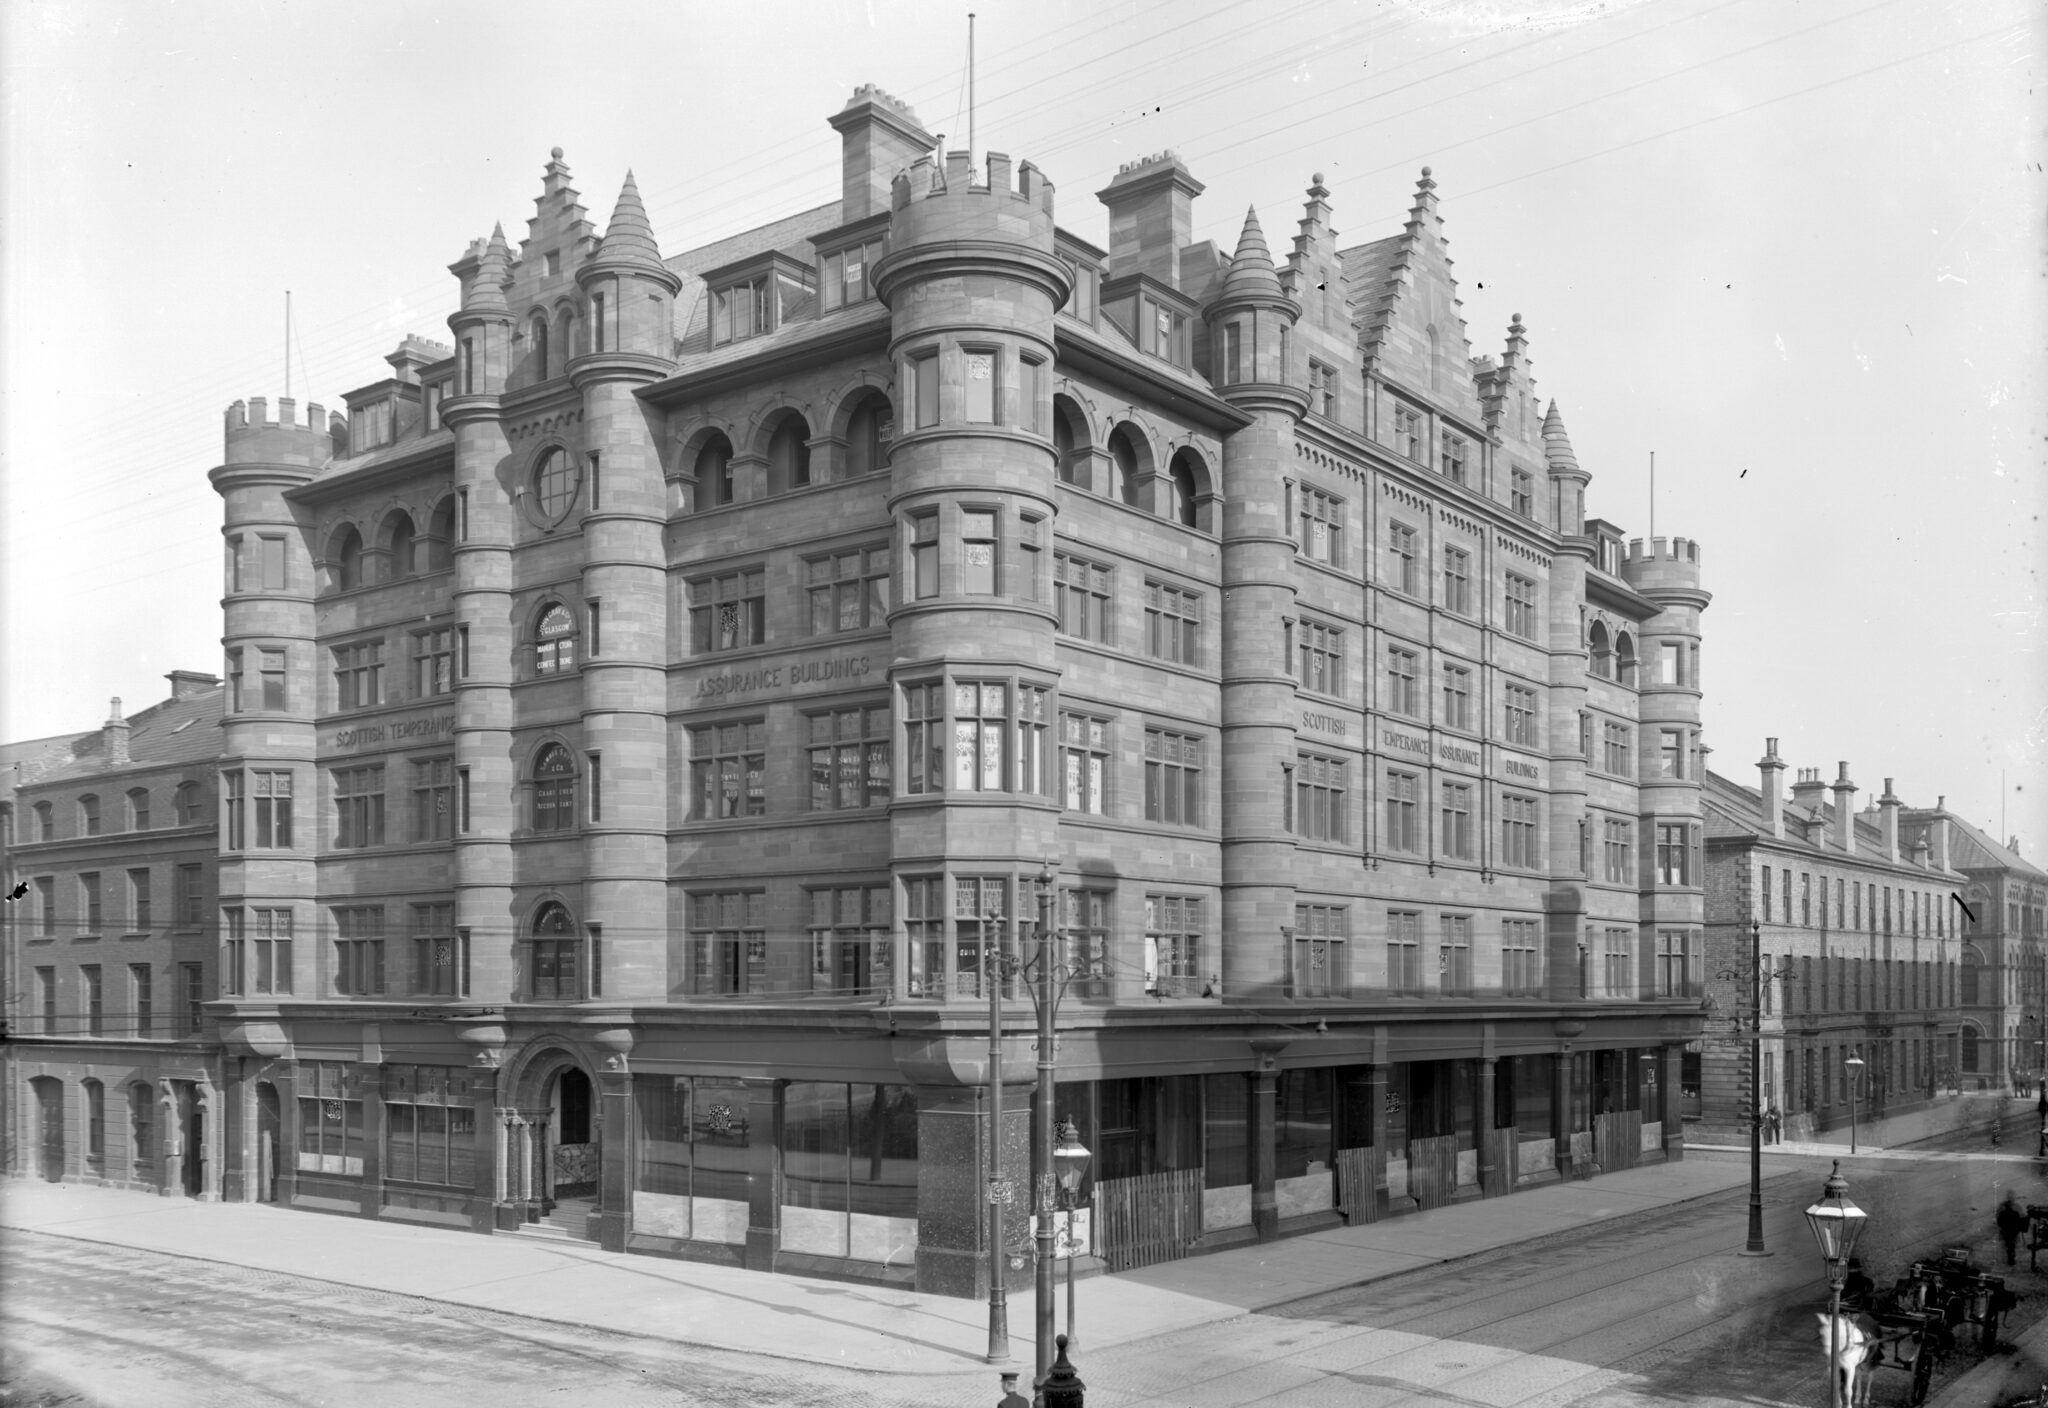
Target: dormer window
(1081, 303)
(369, 427)
(739, 311)
(1164, 333)
(847, 276)
(769, 293)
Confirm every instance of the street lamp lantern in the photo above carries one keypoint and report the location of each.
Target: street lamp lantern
(1836, 1222)
(1070, 1158)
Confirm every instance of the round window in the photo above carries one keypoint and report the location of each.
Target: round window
(556, 480)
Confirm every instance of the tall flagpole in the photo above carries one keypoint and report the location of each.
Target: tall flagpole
(287, 344)
(970, 92)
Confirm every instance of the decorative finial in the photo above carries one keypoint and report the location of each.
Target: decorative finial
(1317, 178)
(1425, 172)
(556, 153)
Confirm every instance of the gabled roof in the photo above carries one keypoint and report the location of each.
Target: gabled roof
(1969, 848)
(1731, 809)
(176, 731)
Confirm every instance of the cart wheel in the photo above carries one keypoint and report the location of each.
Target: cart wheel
(1923, 1374)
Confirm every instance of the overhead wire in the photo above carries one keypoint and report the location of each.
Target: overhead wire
(362, 337)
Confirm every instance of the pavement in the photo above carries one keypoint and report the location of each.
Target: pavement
(855, 1326)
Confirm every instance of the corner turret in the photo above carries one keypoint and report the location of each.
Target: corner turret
(1660, 567)
(483, 325)
(1250, 325)
(1565, 473)
(253, 438)
(631, 293)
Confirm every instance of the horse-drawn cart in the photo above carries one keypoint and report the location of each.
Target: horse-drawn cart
(1920, 1320)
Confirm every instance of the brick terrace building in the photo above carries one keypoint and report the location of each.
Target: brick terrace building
(112, 837)
(660, 704)
(1863, 952)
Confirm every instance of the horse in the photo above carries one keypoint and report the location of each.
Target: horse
(1856, 1348)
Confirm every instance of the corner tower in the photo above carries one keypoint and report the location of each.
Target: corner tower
(268, 786)
(1251, 328)
(972, 285)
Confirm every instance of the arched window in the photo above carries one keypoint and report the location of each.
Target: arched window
(554, 640)
(89, 815)
(714, 470)
(538, 332)
(556, 971)
(1625, 658)
(348, 560)
(868, 433)
(1603, 658)
(1063, 446)
(1184, 484)
(440, 554)
(565, 334)
(398, 545)
(1123, 457)
(554, 790)
(789, 454)
(138, 809)
(189, 802)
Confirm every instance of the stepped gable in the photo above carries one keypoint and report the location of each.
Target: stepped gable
(1507, 391)
(1315, 275)
(1418, 295)
(629, 240)
(558, 223)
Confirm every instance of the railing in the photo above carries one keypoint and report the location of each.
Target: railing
(1151, 1218)
(1360, 1172)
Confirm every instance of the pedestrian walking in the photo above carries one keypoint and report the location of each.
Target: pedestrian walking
(1773, 1125)
(2011, 1222)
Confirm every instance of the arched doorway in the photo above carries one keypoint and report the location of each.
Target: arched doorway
(573, 1136)
(269, 1131)
(50, 1118)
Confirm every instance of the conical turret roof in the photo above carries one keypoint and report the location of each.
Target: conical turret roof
(493, 272)
(1557, 446)
(1251, 273)
(629, 239)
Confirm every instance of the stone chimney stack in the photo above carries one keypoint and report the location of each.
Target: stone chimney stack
(880, 136)
(186, 683)
(1151, 217)
(1845, 810)
(1937, 835)
(116, 731)
(1772, 768)
(1888, 822)
(1809, 793)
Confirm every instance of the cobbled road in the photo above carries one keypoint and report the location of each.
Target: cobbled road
(1652, 1309)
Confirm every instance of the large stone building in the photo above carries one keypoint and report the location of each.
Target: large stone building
(108, 838)
(1901, 938)
(656, 715)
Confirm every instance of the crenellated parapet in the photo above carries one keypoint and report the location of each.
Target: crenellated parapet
(254, 437)
(1661, 565)
(948, 223)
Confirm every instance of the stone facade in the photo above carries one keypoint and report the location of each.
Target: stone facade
(703, 679)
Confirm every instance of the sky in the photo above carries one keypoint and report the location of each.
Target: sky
(1794, 249)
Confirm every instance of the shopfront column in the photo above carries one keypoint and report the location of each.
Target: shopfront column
(615, 1154)
(1670, 1069)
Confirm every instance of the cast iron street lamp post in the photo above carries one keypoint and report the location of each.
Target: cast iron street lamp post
(998, 1296)
(1755, 1246)
(1837, 1223)
(1855, 1065)
(1041, 1119)
(1071, 1156)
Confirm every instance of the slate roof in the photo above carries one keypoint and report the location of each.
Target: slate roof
(1969, 848)
(176, 731)
(1731, 809)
